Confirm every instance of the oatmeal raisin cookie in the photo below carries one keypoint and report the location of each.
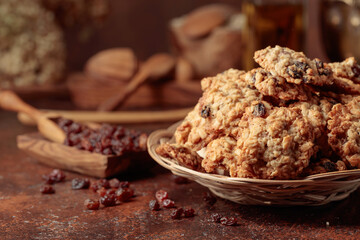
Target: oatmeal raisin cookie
(295, 67)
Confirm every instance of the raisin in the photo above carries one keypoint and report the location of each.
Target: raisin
(228, 221)
(176, 213)
(259, 110)
(167, 203)
(124, 194)
(209, 199)
(102, 183)
(302, 66)
(320, 67)
(189, 212)
(330, 166)
(294, 73)
(92, 204)
(356, 70)
(205, 112)
(124, 184)
(47, 189)
(54, 177)
(80, 183)
(154, 205)
(108, 200)
(161, 195)
(114, 183)
(102, 192)
(215, 217)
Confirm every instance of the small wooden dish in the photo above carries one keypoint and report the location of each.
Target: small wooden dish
(88, 93)
(313, 190)
(70, 158)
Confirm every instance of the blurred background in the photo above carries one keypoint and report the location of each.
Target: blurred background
(92, 49)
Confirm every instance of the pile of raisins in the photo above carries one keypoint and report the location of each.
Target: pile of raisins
(107, 140)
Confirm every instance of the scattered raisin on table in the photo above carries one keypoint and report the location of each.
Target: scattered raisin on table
(228, 221)
(161, 195)
(124, 184)
(92, 204)
(108, 200)
(176, 213)
(215, 217)
(124, 194)
(154, 205)
(189, 212)
(167, 203)
(80, 183)
(54, 177)
(47, 189)
(114, 183)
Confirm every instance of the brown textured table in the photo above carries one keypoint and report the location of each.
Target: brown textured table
(27, 214)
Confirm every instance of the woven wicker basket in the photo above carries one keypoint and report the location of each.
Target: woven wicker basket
(313, 190)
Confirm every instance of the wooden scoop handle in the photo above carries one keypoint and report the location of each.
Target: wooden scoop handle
(117, 100)
(11, 102)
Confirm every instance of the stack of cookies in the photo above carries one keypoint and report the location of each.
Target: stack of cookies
(290, 118)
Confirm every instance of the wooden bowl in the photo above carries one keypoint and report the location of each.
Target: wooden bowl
(88, 93)
(313, 190)
(70, 158)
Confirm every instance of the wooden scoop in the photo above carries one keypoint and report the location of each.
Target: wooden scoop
(156, 67)
(48, 128)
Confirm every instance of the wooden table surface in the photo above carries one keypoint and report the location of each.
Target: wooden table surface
(25, 213)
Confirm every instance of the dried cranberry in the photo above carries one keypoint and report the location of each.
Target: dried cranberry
(180, 180)
(124, 194)
(215, 217)
(228, 221)
(47, 189)
(154, 205)
(108, 200)
(114, 183)
(161, 195)
(209, 199)
(167, 203)
(189, 212)
(176, 213)
(92, 204)
(80, 183)
(259, 110)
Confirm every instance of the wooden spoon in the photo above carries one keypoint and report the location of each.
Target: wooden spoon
(48, 128)
(156, 67)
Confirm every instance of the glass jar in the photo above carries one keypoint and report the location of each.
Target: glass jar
(340, 26)
(270, 23)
